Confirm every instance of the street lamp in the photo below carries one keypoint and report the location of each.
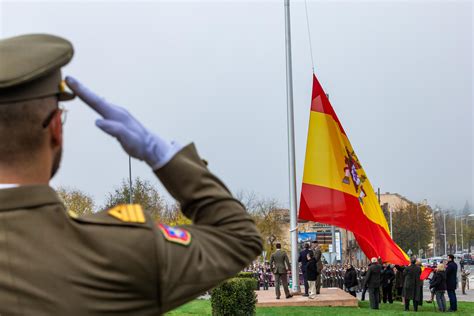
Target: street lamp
(434, 232)
(445, 243)
(455, 235)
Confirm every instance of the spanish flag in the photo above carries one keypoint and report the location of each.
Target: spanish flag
(336, 190)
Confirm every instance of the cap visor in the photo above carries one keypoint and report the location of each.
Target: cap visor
(65, 96)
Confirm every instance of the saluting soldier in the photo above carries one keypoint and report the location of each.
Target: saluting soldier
(116, 261)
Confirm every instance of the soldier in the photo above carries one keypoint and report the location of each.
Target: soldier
(464, 280)
(333, 277)
(341, 274)
(317, 255)
(116, 261)
(324, 280)
(281, 265)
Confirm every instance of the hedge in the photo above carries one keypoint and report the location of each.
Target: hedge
(249, 275)
(235, 297)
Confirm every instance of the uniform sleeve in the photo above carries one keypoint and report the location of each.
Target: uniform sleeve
(288, 265)
(223, 237)
(317, 254)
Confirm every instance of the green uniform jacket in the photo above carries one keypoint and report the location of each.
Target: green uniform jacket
(280, 262)
(52, 263)
(317, 256)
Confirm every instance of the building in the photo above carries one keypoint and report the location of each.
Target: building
(393, 201)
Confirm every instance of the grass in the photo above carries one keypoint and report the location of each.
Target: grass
(203, 307)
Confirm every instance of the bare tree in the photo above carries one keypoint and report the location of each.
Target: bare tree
(77, 201)
(143, 193)
(268, 215)
(173, 216)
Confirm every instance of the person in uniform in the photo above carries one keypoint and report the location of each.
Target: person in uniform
(317, 255)
(280, 265)
(116, 261)
(464, 280)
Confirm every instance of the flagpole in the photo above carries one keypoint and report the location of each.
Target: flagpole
(291, 154)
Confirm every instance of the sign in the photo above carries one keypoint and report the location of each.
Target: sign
(306, 237)
(338, 251)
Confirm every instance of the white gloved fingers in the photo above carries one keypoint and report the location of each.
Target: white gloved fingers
(97, 103)
(135, 139)
(131, 141)
(113, 128)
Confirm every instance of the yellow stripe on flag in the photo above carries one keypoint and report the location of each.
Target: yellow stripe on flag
(327, 149)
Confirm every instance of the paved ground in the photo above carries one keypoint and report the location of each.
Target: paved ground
(328, 297)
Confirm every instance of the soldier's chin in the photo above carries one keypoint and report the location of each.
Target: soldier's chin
(56, 162)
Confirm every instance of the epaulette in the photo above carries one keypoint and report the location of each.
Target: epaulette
(123, 214)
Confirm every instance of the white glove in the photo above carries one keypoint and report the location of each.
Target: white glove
(135, 139)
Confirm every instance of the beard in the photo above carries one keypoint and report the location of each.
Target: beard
(56, 162)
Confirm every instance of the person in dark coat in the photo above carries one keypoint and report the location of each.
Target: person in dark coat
(311, 273)
(303, 260)
(399, 280)
(411, 286)
(372, 280)
(350, 280)
(438, 286)
(387, 283)
(420, 284)
(452, 283)
(363, 274)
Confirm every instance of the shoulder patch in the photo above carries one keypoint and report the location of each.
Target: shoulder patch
(130, 213)
(175, 234)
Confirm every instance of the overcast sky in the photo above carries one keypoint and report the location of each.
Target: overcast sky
(399, 75)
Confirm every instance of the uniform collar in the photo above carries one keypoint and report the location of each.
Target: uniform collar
(27, 196)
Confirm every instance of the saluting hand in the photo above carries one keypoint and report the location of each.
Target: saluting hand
(135, 139)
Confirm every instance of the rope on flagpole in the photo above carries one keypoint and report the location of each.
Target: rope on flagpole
(309, 35)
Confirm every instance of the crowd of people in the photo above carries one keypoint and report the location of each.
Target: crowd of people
(381, 282)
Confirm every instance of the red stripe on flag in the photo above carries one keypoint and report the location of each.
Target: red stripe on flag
(426, 273)
(333, 207)
(320, 103)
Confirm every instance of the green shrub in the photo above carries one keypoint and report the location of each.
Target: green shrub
(235, 297)
(249, 275)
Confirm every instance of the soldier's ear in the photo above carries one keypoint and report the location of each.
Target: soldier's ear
(56, 130)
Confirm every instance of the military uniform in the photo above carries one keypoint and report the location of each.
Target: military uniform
(119, 261)
(318, 256)
(464, 280)
(281, 264)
